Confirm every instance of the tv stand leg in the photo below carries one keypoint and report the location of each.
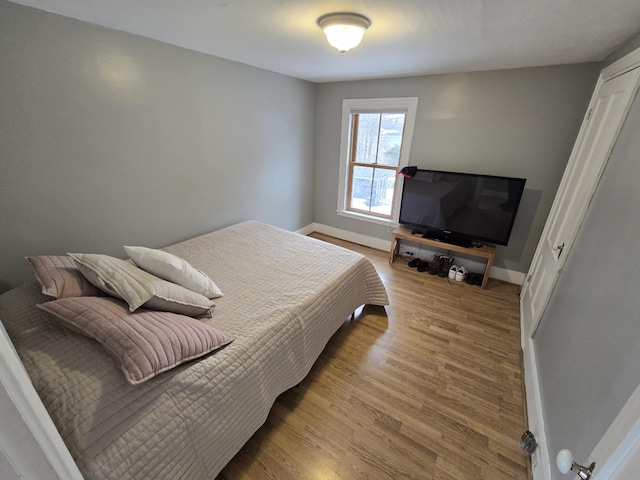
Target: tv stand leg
(487, 270)
(395, 246)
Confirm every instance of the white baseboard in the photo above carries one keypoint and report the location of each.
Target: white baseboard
(307, 230)
(358, 238)
(510, 276)
(498, 273)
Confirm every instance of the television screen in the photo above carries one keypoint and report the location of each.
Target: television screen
(461, 208)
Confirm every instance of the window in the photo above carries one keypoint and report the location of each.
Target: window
(374, 156)
(376, 138)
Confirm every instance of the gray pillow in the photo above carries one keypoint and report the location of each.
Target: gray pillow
(138, 288)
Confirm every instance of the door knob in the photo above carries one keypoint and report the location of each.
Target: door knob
(565, 463)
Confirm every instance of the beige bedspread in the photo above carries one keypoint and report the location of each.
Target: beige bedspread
(285, 295)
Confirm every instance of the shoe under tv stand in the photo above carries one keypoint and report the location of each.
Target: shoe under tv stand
(404, 233)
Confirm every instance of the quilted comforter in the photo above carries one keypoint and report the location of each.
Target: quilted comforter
(285, 295)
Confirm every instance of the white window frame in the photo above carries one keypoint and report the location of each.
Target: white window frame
(408, 105)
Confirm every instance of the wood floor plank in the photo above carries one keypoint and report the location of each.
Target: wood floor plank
(429, 387)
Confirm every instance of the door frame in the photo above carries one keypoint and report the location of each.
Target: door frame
(623, 435)
(620, 442)
(43, 453)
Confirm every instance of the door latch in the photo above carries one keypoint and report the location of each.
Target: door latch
(528, 442)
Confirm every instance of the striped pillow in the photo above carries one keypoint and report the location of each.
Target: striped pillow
(60, 277)
(138, 288)
(143, 344)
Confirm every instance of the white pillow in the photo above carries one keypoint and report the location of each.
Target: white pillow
(139, 288)
(174, 269)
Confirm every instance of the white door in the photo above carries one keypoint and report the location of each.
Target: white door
(599, 131)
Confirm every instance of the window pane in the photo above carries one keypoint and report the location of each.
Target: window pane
(361, 188)
(367, 137)
(382, 191)
(372, 190)
(391, 128)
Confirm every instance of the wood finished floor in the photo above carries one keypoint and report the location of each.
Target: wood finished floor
(428, 388)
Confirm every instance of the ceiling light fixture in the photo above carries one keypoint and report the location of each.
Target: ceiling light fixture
(344, 31)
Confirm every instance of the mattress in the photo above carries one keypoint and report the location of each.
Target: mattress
(285, 295)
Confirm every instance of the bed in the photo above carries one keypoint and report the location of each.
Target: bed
(285, 295)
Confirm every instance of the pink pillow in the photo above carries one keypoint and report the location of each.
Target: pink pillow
(60, 277)
(144, 343)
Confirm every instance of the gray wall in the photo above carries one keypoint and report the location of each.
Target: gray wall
(587, 345)
(110, 139)
(519, 123)
(629, 46)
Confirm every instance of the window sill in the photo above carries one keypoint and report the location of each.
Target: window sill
(366, 218)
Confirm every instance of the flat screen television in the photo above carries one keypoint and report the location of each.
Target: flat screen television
(461, 208)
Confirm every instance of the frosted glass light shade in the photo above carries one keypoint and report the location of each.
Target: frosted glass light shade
(344, 37)
(344, 31)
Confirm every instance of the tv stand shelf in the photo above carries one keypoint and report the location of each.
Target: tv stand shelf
(404, 233)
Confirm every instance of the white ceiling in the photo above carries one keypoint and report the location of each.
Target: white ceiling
(406, 37)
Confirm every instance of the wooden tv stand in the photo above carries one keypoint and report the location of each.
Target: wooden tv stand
(404, 233)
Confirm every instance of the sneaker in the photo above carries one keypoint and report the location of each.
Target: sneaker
(474, 279)
(424, 266)
(415, 262)
(453, 271)
(461, 274)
